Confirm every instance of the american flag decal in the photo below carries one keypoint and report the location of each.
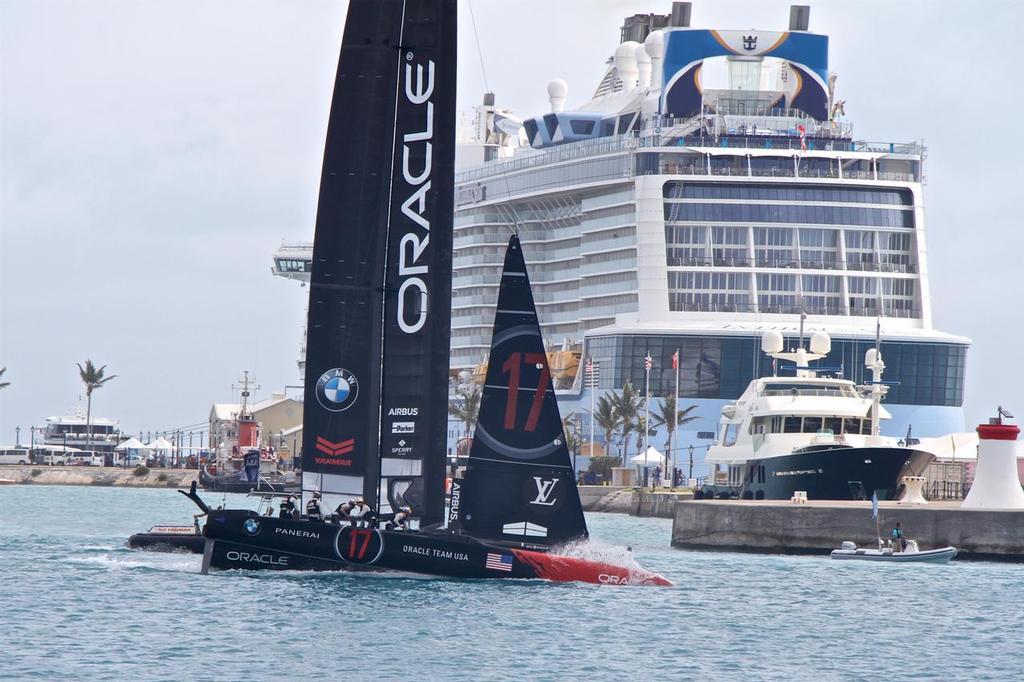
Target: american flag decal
(499, 562)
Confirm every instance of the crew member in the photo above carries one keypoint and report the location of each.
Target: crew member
(360, 512)
(287, 508)
(344, 511)
(313, 508)
(400, 520)
(898, 541)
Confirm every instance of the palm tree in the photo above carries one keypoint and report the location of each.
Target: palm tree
(92, 378)
(466, 405)
(3, 384)
(666, 416)
(628, 406)
(605, 418)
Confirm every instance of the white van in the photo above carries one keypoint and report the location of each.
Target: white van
(11, 454)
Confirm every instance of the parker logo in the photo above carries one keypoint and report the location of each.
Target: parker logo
(403, 427)
(545, 492)
(341, 448)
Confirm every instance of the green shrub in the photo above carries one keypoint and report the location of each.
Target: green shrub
(36, 472)
(141, 470)
(161, 477)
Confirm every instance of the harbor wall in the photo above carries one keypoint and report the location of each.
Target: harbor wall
(629, 500)
(100, 476)
(817, 528)
(659, 504)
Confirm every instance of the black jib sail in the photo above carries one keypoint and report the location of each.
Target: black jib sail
(377, 345)
(519, 484)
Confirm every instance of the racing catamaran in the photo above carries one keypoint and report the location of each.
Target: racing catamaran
(375, 413)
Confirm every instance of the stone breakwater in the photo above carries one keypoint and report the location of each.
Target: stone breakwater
(100, 476)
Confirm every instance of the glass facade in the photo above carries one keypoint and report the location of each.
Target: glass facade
(697, 190)
(721, 367)
(790, 213)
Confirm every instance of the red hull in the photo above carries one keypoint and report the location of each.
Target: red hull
(566, 569)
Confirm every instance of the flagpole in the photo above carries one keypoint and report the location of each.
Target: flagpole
(675, 418)
(593, 390)
(647, 407)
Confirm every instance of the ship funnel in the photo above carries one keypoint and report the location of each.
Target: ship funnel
(654, 46)
(821, 343)
(771, 342)
(558, 90)
(625, 65)
(799, 17)
(996, 478)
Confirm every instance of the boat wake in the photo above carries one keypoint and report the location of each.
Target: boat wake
(603, 552)
(174, 562)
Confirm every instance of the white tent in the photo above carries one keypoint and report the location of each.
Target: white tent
(161, 444)
(650, 457)
(132, 443)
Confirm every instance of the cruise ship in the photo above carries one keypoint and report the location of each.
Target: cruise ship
(709, 190)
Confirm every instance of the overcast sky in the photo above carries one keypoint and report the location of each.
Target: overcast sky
(153, 154)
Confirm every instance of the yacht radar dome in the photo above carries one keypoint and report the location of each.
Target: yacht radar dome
(643, 66)
(821, 343)
(625, 64)
(558, 90)
(771, 342)
(654, 46)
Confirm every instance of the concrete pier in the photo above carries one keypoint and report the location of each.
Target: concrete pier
(819, 527)
(39, 474)
(629, 500)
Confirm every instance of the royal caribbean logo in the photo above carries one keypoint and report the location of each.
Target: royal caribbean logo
(337, 390)
(251, 526)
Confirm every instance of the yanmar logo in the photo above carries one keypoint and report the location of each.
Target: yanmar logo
(412, 290)
(341, 448)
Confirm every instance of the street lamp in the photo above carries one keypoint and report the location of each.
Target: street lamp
(17, 436)
(691, 464)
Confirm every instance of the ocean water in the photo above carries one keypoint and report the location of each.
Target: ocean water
(76, 604)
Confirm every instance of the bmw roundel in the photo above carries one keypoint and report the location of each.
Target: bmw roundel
(337, 389)
(251, 526)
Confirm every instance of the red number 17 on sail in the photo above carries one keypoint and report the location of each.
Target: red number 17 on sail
(512, 367)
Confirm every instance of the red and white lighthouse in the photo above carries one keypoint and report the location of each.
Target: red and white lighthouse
(996, 482)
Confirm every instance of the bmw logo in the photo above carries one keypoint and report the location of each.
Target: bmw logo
(337, 390)
(251, 526)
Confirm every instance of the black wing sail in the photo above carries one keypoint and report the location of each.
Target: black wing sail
(417, 320)
(380, 98)
(519, 483)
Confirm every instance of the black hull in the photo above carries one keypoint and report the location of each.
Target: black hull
(829, 474)
(239, 539)
(167, 542)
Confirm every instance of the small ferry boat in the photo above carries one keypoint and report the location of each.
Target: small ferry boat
(851, 552)
(811, 431)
